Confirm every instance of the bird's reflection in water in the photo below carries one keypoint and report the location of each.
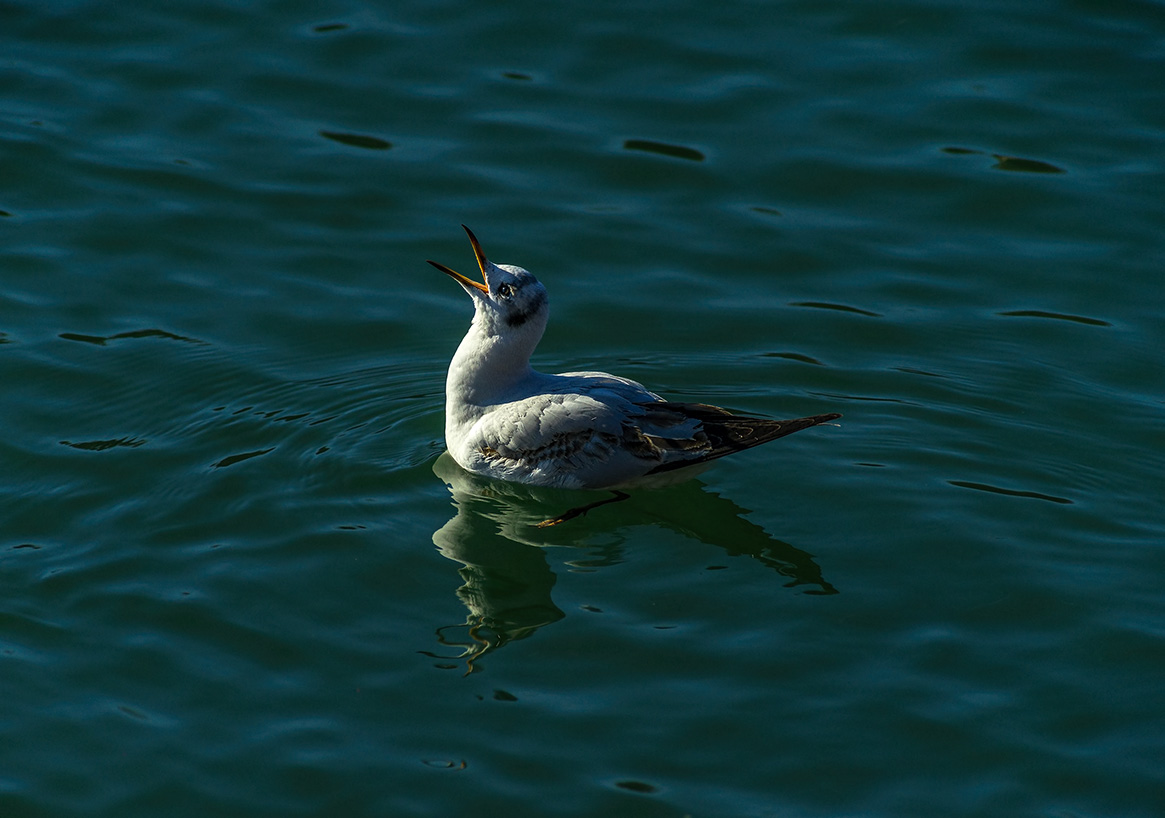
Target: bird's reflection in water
(508, 582)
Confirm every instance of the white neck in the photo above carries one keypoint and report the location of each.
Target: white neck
(485, 368)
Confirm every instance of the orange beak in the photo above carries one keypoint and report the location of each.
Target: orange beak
(468, 282)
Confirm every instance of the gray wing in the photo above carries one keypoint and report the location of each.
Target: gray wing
(564, 432)
(612, 430)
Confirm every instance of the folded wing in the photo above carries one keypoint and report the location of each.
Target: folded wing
(606, 436)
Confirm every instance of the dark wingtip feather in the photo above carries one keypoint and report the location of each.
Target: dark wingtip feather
(729, 433)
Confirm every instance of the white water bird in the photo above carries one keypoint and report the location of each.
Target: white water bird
(578, 430)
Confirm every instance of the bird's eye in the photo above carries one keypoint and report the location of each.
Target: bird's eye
(505, 290)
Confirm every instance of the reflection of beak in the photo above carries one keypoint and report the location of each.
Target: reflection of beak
(462, 280)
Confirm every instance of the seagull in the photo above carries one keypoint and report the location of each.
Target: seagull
(576, 430)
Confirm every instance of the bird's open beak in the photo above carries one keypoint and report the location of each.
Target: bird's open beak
(468, 282)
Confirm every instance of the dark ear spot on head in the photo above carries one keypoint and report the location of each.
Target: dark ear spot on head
(519, 317)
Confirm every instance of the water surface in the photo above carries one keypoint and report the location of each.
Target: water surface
(238, 579)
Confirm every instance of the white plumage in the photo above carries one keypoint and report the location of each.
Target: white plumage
(590, 430)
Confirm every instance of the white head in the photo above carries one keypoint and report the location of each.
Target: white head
(509, 302)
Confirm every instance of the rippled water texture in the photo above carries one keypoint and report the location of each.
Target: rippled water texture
(237, 577)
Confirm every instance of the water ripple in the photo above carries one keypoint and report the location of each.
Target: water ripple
(1035, 495)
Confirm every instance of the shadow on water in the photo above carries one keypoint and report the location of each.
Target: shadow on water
(508, 581)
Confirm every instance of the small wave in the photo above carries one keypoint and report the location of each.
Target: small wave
(1057, 316)
(825, 305)
(664, 149)
(1035, 495)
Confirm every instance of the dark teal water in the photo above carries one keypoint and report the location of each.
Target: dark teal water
(237, 579)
